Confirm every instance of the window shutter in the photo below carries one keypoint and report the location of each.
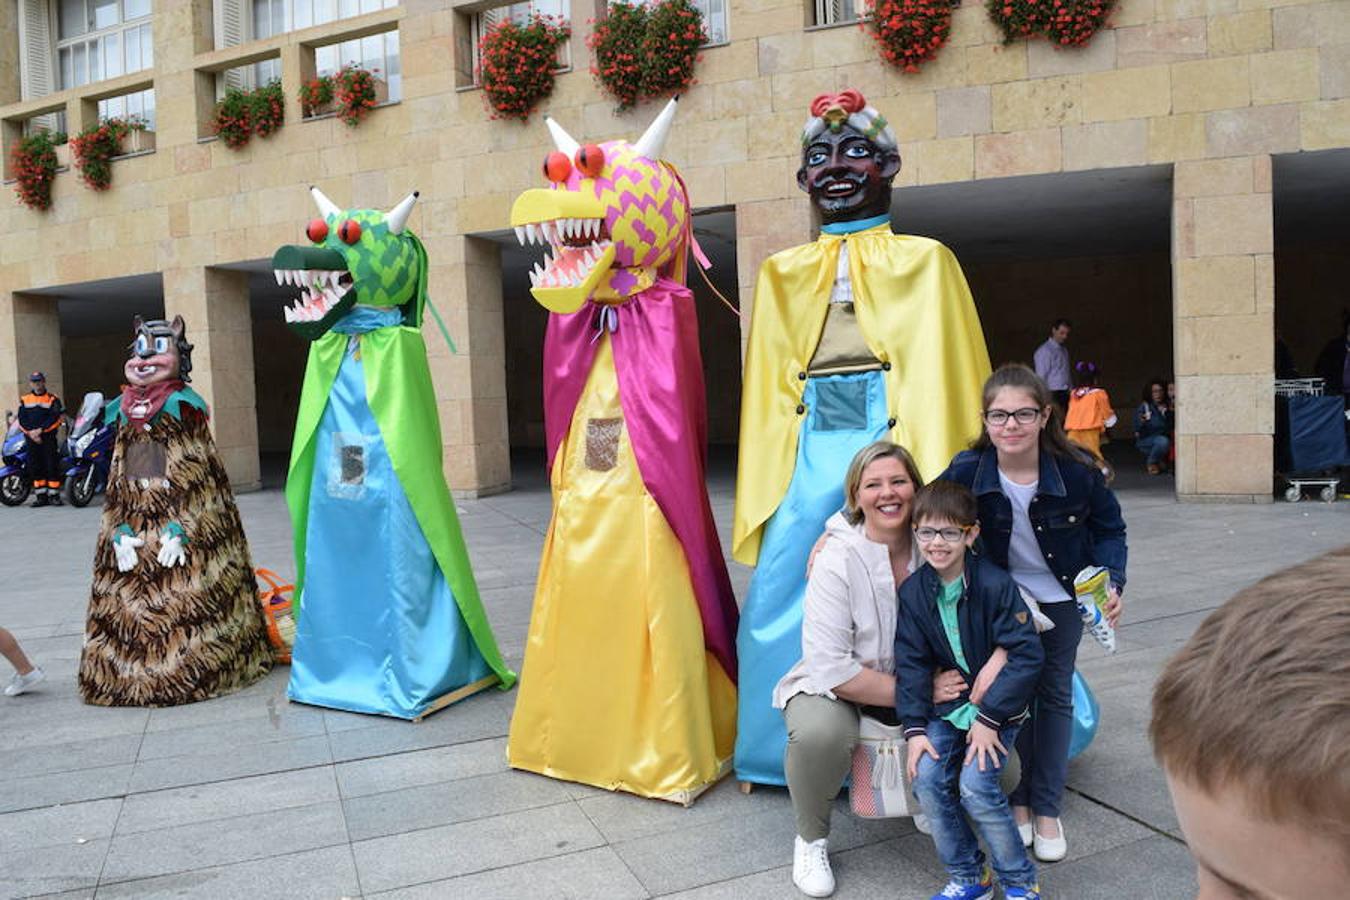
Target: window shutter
(35, 50)
(231, 25)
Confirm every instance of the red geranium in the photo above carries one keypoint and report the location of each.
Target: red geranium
(517, 63)
(33, 164)
(647, 50)
(1066, 23)
(909, 33)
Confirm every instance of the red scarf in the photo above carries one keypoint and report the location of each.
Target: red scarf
(141, 403)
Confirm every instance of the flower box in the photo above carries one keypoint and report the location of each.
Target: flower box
(137, 140)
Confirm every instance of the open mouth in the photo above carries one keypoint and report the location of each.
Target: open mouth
(145, 371)
(320, 291)
(577, 246)
(837, 189)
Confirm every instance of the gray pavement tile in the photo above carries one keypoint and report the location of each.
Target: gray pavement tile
(72, 722)
(576, 876)
(1155, 868)
(624, 817)
(43, 758)
(63, 787)
(224, 764)
(263, 700)
(418, 767)
(54, 826)
(730, 847)
(186, 848)
(226, 799)
(47, 870)
(451, 850)
(429, 805)
(324, 874)
(259, 730)
(486, 714)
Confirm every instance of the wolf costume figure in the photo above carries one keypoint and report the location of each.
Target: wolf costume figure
(630, 667)
(174, 615)
(389, 618)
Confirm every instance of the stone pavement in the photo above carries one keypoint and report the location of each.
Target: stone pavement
(250, 796)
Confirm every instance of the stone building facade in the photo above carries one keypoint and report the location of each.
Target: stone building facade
(1215, 94)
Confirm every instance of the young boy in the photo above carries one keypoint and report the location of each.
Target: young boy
(1251, 722)
(955, 611)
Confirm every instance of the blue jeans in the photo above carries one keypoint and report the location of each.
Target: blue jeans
(1154, 447)
(1043, 745)
(950, 791)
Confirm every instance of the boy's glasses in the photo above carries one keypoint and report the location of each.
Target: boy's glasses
(951, 535)
(999, 417)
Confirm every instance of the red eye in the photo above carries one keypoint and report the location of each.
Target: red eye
(590, 160)
(349, 231)
(557, 166)
(317, 230)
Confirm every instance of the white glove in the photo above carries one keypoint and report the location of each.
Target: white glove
(171, 550)
(124, 549)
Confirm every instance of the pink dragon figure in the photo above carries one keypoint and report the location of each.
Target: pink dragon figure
(630, 668)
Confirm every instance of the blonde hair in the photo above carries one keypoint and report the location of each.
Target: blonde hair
(1259, 699)
(864, 458)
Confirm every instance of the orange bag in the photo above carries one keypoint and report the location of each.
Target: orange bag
(276, 607)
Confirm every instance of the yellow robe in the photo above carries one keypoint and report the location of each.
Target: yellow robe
(646, 709)
(918, 319)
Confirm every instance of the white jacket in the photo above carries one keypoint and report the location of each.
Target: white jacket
(848, 616)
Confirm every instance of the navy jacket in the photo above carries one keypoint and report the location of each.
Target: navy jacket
(991, 614)
(1075, 515)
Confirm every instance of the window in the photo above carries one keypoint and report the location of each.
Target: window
(100, 39)
(378, 53)
(139, 106)
(835, 12)
(520, 13)
(714, 19)
(240, 21)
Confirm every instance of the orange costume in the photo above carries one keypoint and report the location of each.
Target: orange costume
(1090, 414)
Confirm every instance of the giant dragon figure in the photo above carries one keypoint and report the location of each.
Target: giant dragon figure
(629, 675)
(390, 620)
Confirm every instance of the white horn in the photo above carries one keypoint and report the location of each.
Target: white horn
(326, 207)
(654, 138)
(564, 141)
(397, 218)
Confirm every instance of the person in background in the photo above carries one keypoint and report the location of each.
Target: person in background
(26, 675)
(1251, 723)
(40, 415)
(1333, 363)
(1045, 514)
(1052, 362)
(1153, 426)
(1090, 413)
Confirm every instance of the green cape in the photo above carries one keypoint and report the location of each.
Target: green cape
(399, 391)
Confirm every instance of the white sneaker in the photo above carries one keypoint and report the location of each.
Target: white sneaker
(811, 871)
(21, 683)
(1051, 849)
(921, 824)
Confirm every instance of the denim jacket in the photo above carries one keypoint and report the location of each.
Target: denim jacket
(1075, 515)
(991, 614)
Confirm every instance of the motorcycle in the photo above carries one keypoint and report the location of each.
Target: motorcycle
(14, 482)
(88, 452)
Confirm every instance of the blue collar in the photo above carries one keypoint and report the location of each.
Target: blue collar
(362, 319)
(1050, 481)
(855, 225)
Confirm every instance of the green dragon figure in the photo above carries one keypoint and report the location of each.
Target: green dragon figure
(390, 620)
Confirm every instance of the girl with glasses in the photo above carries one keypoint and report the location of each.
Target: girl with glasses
(1045, 514)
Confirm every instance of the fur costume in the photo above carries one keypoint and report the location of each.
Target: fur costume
(181, 623)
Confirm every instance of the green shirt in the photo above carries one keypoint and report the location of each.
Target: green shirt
(963, 716)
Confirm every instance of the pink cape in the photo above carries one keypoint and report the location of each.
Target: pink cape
(660, 372)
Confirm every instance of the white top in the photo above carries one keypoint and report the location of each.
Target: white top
(848, 616)
(842, 292)
(1026, 564)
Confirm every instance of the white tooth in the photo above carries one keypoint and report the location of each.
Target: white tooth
(293, 277)
(289, 313)
(315, 277)
(520, 235)
(531, 234)
(592, 226)
(277, 273)
(549, 230)
(566, 227)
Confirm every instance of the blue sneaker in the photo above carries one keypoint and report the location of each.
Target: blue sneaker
(982, 891)
(1023, 893)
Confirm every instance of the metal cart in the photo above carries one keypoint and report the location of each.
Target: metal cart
(1310, 438)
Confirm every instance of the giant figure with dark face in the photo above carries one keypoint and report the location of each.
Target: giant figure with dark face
(174, 615)
(859, 336)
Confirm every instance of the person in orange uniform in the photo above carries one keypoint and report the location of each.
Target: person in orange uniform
(40, 414)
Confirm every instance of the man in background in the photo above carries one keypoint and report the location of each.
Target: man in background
(1052, 363)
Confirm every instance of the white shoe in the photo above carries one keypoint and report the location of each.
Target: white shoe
(21, 683)
(1051, 849)
(811, 871)
(1027, 832)
(921, 824)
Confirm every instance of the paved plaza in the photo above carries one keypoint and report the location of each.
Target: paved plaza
(251, 796)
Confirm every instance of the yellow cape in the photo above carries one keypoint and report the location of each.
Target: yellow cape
(916, 314)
